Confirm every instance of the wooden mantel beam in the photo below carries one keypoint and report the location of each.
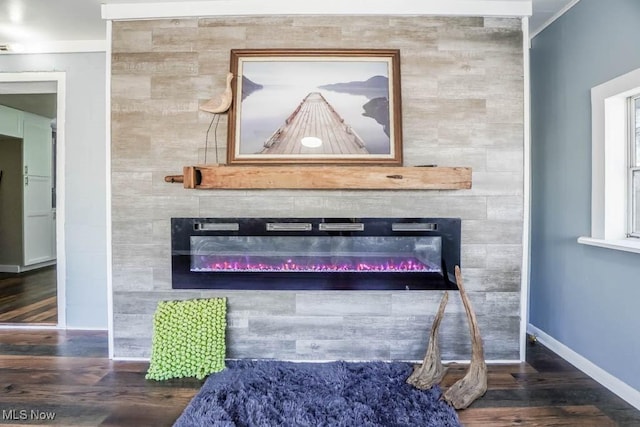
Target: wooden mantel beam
(324, 177)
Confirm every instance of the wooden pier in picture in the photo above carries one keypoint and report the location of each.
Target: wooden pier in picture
(314, 127)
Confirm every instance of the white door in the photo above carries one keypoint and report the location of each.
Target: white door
(39, 221)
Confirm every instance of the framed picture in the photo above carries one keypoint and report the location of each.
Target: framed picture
(325, 106)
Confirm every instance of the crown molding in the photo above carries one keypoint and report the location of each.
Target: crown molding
(551, 20)
(58, 46)
(177, 9)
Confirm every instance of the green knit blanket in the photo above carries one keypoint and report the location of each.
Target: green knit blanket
(188, 339)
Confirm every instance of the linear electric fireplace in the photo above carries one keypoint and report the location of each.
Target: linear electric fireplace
(315, 253)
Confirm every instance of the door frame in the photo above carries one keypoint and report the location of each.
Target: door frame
(59, 77)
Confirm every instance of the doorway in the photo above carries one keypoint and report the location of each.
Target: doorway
(35, 293)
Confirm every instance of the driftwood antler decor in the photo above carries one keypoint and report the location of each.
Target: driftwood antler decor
(431, 372)
(474, 384)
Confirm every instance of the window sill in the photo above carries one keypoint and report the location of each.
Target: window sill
(627, 245)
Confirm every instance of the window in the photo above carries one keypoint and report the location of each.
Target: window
(634, 166)
(615, 180)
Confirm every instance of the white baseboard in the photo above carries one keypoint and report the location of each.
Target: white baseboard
(38, 265)
(9, 268)
(614, 384)
(15, 268)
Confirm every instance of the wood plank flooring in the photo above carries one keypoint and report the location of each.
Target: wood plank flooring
(68, 374)
(29, 297)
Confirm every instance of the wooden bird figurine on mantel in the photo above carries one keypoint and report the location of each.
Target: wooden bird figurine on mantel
(221, 103)
(217, 105)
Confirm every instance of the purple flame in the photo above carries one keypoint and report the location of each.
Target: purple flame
(309, 264)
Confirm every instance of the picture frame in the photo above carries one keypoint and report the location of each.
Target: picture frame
(315, 106)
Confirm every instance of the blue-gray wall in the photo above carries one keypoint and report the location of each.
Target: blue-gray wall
(585, 297)
(85, 179)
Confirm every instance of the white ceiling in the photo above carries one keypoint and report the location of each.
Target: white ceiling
(28, 22)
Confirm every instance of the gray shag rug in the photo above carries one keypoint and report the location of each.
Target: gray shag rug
(272, 393)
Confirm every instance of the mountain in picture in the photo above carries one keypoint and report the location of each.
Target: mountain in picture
(248, 87)
(374, 87)
(378, 109)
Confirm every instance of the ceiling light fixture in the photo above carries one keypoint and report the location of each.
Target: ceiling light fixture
(16, 12)
(11, 47)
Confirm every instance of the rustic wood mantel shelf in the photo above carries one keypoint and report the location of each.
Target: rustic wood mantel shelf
(324, 177)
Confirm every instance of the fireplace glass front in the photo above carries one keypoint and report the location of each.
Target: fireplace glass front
(366, 253)
(327, 254)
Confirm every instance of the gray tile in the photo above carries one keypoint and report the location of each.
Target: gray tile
(255, 303)
(504, 257)
(239, 347)
(133, 279)
(492, 232)
(147, 302)
(388, 328)
(342, 350)
(343, 303)
(505, 208)
(296, 327)
(462, 90)
(134, 325)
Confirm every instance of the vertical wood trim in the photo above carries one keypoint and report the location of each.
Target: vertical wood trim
(108, 225)
(526, 224)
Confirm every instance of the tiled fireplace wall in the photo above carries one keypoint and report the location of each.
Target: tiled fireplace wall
(462, 105)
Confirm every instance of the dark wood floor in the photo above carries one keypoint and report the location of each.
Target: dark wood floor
(67, 373)
(29, 297)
